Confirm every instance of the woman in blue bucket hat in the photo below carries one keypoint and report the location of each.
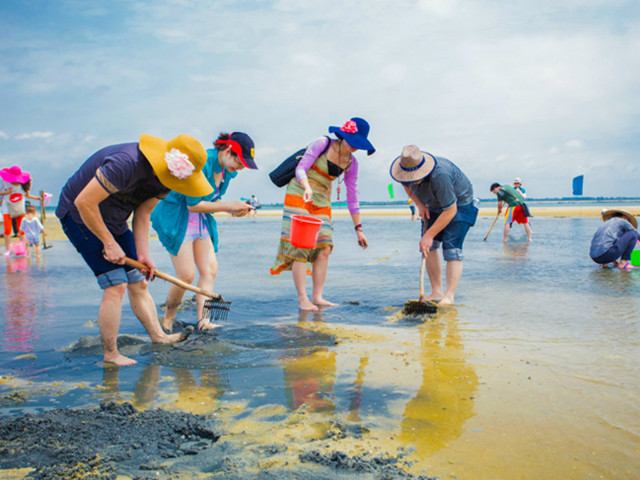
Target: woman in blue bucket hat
(309, 194)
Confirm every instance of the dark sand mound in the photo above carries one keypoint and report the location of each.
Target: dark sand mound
(100, 442)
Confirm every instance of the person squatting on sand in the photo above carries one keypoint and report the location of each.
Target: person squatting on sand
(615, 239)
(93, 209)
(186, 227)
(16, 185)
(444, 198)
(30, 229)
(309, 193)
(514, 213)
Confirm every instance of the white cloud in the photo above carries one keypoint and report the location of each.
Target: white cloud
(574, 144)
(35, 136)
(3, 135)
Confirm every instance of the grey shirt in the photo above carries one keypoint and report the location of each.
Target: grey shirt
(445, 186)
(607, 234)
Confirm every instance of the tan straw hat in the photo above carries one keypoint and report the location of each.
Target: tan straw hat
(412, 165)
(178, 163)
(609, 212)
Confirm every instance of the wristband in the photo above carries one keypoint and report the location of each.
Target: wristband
(358, 227)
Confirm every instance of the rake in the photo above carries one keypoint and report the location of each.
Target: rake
(416, 307)
(215, 307)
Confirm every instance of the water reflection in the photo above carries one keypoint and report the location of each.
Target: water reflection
(516, 249)
(20, 308)
(196, 391)
(309, 374)
(437, 413)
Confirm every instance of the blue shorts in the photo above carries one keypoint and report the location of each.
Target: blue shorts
(90, 247)
(452, 236)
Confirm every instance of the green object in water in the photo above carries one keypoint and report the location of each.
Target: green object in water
(635, 258)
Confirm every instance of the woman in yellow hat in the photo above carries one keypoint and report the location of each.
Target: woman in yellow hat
(94, 207)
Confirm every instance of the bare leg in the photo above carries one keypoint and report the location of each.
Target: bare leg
(144, 308)
(454, 272)
(527, 230)
(320, 267)
(505, 232)
(207, 264)
(299, 271)
(184, 265)
(109, 323)
(434, 270)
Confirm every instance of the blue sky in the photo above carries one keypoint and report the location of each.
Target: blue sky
(544, 89)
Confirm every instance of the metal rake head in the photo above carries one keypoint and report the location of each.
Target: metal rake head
(216, 309)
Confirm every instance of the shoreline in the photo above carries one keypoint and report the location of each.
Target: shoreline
(559, 211)
(54, 229)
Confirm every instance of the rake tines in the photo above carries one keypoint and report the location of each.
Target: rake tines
(216, 310)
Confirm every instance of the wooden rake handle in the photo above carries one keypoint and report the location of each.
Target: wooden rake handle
(176, 281)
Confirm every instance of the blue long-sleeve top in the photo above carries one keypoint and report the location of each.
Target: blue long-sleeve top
(170, 217)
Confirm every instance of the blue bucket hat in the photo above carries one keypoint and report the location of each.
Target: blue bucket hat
(355, 132)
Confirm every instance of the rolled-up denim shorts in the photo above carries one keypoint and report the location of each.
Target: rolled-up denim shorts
(452, 236)
(90, 247)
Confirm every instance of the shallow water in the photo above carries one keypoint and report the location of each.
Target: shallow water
(535, 374)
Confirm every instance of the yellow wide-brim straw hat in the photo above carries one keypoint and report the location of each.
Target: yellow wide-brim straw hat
(609, 212)
(193, 184)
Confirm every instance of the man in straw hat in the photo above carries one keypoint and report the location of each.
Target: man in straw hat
(444, 197)
(615, 239)
(94, 206)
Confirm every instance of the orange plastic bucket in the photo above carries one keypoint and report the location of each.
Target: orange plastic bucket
(304, 231)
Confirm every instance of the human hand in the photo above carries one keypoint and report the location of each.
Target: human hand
(307, 195)
(148, 261)
(240, 208)
(423, 212)
(362, 240)
(425, 243)
(113, 253)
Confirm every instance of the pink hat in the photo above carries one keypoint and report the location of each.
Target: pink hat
(14, 174)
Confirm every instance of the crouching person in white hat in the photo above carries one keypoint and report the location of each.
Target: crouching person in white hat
(444, 197)
(94, 206)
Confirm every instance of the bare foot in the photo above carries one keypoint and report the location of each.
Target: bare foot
(307, 305)
(167, 325)
(177, 337)
(445, 302)
(623, 265)
(433, 297)
(205, 324)
(321, 302)
(119, 360)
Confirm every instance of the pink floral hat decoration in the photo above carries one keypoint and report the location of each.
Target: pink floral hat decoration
(14, 174)
(178, 163)
(355, 133)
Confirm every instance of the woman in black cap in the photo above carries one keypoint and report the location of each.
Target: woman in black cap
(187, 229)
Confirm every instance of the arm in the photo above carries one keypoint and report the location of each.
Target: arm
(500, 205)
(141, 222)
(237, 208)
(362, 240)
(423, 211)
(87, 203)
(306, 162)
(443, 220)
(28, 195)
